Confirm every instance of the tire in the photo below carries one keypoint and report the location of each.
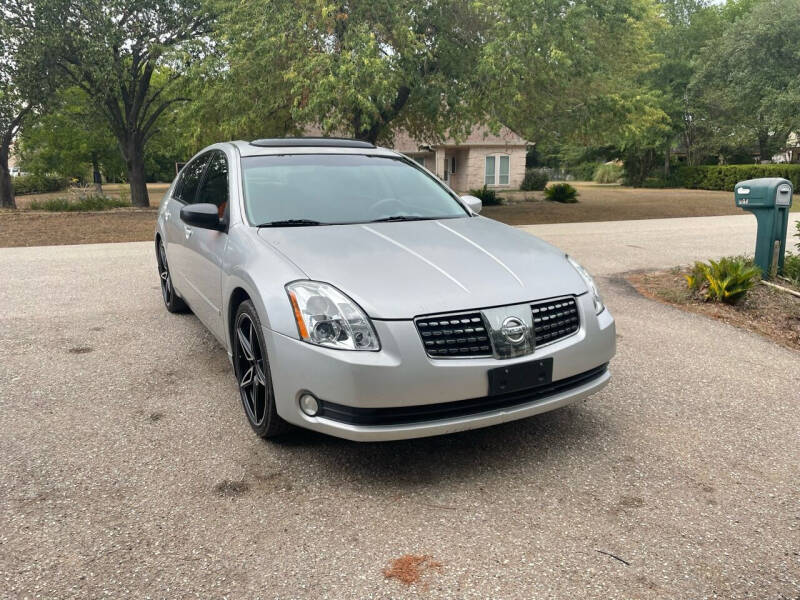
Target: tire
(251, 367)
(172, 301)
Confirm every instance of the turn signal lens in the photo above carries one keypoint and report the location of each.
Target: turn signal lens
(326, 317)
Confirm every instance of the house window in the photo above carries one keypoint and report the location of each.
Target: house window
(489, 177)
(452, 164)
(497, 170)
(420, 160)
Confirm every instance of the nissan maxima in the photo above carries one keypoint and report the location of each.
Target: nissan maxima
(359, 296)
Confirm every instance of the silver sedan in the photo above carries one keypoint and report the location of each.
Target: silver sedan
(359, 296)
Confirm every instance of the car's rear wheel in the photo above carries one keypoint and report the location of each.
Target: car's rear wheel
(253, 375)
(172, 301)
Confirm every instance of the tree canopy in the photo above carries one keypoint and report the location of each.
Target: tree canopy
(641, 80)
(27, 80)
(748, 80)
(126, 55)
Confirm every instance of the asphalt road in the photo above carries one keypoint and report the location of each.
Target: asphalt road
(128, 468)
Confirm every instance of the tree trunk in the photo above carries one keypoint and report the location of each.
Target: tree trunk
(134, 161)
(666, 162)
(6, 189)
(97, 178)
(763, 147)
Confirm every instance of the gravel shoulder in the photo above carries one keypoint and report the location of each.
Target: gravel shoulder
(130, 471)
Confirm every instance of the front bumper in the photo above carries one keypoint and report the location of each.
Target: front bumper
(402, 375)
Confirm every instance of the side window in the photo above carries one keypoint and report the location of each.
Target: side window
(190, 179)
(215, 186)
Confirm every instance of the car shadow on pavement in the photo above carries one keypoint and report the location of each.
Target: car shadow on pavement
(531, 443)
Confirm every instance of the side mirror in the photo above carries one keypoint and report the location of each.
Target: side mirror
(204, 216)
(474, 204)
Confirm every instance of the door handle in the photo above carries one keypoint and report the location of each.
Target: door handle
(187, 231)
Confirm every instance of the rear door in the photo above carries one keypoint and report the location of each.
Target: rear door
(184, 192)
(205, 248)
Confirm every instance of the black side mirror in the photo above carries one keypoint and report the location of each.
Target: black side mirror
(205, 216)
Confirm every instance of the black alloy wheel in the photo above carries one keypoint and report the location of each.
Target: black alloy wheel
(172, 301)
(253, 375)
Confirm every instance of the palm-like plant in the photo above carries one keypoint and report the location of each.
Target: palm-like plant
(727, 280)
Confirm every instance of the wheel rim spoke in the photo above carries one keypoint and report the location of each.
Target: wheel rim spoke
(163, 273)
(252, 370)
(246, 344)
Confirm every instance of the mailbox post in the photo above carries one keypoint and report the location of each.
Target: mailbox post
(769, 199)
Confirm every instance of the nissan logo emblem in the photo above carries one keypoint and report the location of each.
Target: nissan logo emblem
(514, 330)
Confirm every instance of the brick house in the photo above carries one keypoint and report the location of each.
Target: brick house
(496, 160)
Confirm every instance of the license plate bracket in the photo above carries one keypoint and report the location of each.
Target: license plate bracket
(512, 378)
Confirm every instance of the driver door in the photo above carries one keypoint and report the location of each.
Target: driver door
(205, 248)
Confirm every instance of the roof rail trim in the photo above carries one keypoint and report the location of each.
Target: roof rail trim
(297, 142)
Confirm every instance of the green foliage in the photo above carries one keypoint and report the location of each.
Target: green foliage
(69, 139)
(791, 268)
(561, 192)
(488, 197)
(84, 204)
(535, 179)
(727, 280)
(747, 80)
(797, 234)
(37, 184)
(565, 70)
(725, 177)
(27, 74)
(583, 171)
(129, 56)
(608, 173)
(362, 68)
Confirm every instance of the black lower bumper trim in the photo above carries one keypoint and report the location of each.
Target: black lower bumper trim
(399, 415)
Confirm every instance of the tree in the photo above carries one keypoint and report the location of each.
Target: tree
(748, 81)
(564, 71)
(26, 76)
(361, 67)
(127, 55)
(689, 25)
(71, 139)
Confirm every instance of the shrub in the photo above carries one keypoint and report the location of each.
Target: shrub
(535, 179)
(791, 268)
(725, 177)
(608, 173)
(561, 192)
(583, 171)
(797, 235)
(487, 196)
(84, 204)
(37, 184)
(727, 280)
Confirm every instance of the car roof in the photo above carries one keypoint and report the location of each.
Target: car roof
(310, 145)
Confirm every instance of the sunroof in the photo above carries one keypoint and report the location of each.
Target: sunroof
(311, 141)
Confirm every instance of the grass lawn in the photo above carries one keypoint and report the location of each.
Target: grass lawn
(596, 203)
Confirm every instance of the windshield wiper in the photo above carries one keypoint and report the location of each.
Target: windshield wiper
(292, 223)
(402, 218)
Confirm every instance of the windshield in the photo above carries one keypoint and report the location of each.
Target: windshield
(311, 189)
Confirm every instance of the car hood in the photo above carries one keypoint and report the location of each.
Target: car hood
(404, 269)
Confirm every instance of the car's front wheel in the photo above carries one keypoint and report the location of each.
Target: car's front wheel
(253, 375)
(172, 301)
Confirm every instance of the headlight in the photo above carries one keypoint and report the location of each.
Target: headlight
(598, 301)
(326, 317)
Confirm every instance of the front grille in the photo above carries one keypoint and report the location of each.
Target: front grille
(554, 320)
(398, 415)
(454, 336)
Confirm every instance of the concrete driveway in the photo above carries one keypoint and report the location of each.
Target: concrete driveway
(128, 468)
